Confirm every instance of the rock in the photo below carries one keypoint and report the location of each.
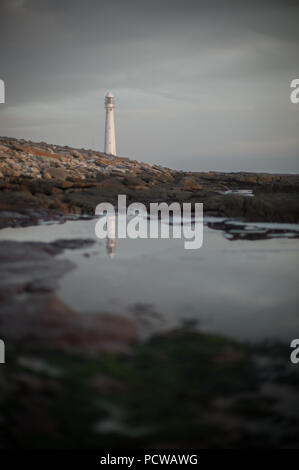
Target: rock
(77, 154)
(132, 181)
(190, 184)
(67, 184)
(34, 170)
(41, 319)
(56, 190)
(30, 313)
(56, 173)
(17, 260)
(73, 244)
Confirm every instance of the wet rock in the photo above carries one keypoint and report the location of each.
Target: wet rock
(31, 313)
(22, 264)
(73, 244)
(42, 319)
(18, 260)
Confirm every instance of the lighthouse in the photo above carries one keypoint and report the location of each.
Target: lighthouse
(109, 125)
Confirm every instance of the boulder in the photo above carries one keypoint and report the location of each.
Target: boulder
(55, 173)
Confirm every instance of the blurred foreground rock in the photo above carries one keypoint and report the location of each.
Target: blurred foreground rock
(31, 314)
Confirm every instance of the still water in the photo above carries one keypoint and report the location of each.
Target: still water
(243, 289)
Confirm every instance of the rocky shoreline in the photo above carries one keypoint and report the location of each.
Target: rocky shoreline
(39, 181)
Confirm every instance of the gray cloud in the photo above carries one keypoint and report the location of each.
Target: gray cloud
(199, 85)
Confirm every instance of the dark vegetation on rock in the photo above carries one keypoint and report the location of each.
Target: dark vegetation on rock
(182, 389)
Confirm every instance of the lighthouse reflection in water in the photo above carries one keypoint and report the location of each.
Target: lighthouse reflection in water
(111, 236)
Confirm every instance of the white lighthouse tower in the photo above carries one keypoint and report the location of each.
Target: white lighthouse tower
(109, 125)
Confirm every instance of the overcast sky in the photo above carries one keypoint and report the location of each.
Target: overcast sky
(199, 85)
